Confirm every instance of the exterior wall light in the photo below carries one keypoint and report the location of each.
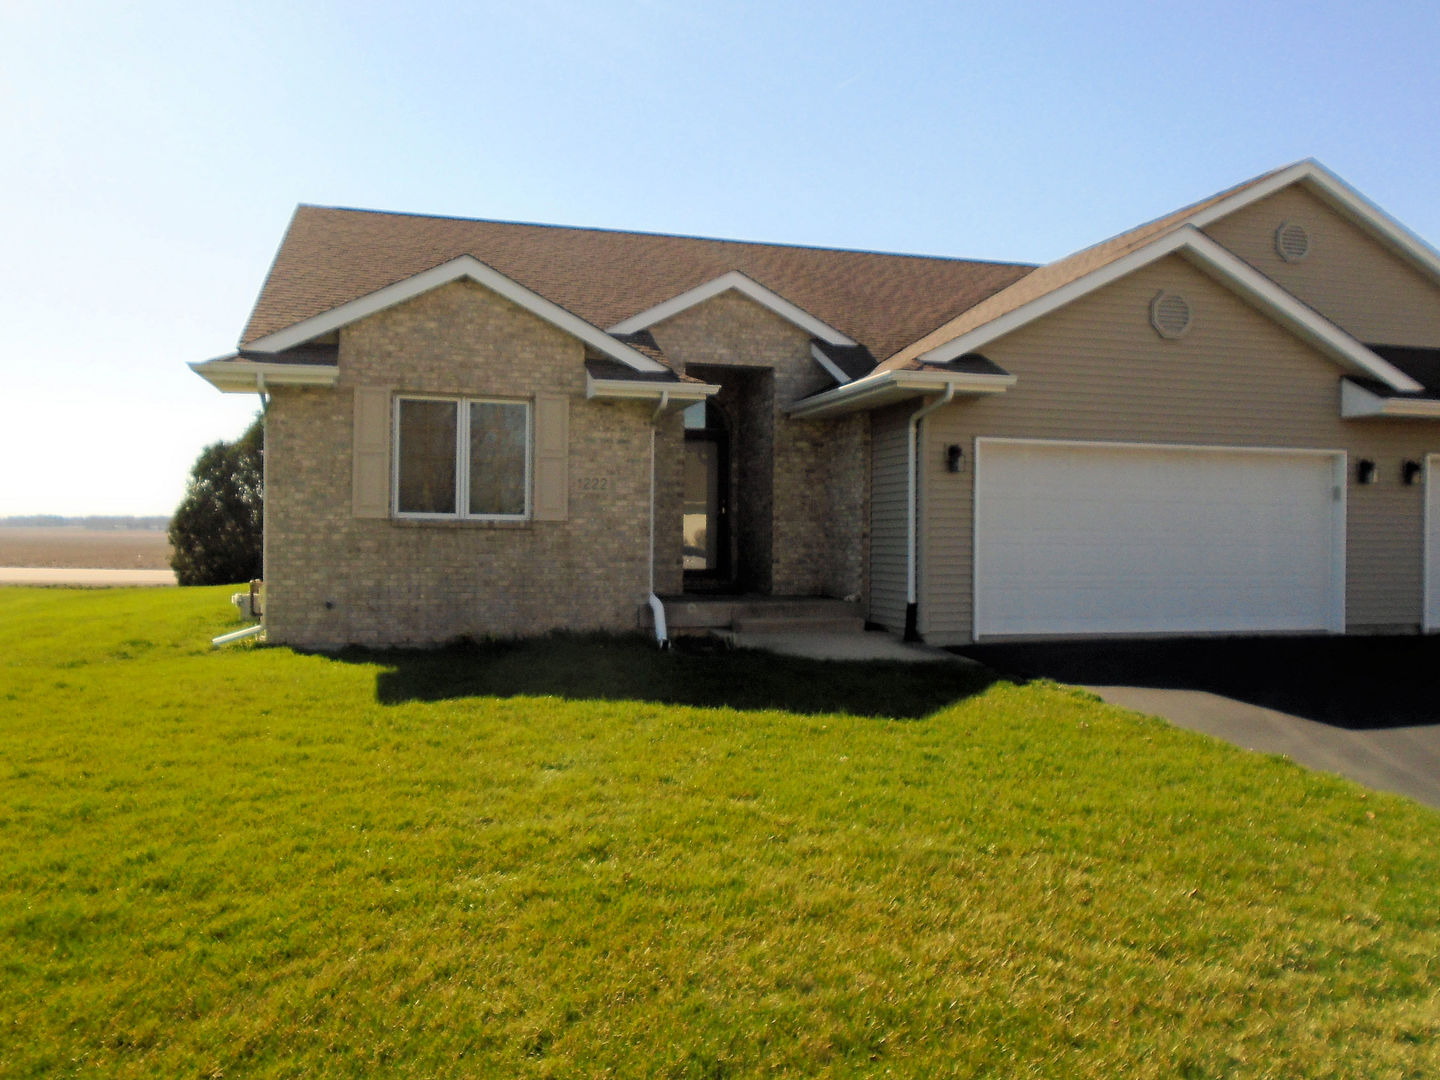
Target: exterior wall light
(1365, 471)
(955, 458)
(1410, 473)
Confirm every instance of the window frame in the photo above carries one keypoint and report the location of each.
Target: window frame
(462, 459)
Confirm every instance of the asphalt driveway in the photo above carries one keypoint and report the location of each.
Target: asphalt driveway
(1367, 707)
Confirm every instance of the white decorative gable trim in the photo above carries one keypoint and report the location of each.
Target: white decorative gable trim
(466, 268)
(1219, 264)
(746, 287)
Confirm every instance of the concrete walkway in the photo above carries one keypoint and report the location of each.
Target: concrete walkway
(1405, 759)
(871, 645)
(62, 575)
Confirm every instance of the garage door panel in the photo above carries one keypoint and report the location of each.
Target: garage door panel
(1081, 539)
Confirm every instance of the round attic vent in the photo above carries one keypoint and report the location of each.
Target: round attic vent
(1292, 242)
(1170, 314)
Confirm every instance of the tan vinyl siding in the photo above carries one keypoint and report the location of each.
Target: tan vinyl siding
(1348, 276)
(888, 499)
(1096, 370)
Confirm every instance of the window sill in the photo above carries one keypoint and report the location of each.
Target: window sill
(457, 523)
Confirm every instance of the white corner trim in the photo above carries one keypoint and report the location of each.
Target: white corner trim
(1357, 403)
(885, 387)
(1430, 613)
(1218, 263)
(463, 267)
(626, 389)
(747, 287)
(829, 365)
(252, 376)
(1342, 198)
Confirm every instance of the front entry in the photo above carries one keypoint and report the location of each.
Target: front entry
(707, 499)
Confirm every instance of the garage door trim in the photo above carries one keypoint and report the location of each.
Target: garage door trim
(1335, 620)
(1430, 615)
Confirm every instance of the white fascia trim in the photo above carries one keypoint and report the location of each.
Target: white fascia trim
(1209, 257)
(1357, 403)
(251, 376)
(747, 287)
(616, 389)
(1342, 198)
(463, 267)
(897, 385)
(829, 365)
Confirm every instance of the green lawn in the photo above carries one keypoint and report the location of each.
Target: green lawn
(567, 858)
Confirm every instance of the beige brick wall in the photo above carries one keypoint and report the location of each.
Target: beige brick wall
(815, 503)
(335, 579)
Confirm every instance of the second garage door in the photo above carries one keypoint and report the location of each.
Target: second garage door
(1085, 538)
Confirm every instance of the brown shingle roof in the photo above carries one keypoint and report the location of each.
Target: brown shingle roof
(330, 256)
(1051, 276)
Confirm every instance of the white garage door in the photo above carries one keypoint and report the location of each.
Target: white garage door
(1084, 538)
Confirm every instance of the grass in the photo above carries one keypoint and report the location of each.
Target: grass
(260, 863)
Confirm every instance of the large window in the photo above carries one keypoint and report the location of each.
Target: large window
(462, 459)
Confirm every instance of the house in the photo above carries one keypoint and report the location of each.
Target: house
(1221, 421)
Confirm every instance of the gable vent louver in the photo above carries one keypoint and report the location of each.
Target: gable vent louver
(1292, 242)
(1170, 314)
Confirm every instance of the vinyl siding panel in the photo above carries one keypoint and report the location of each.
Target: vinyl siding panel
(888, 499)
(1347, 276)
(1096, 370)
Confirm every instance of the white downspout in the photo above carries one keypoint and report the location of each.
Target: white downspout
(657, 609)
(912, 606)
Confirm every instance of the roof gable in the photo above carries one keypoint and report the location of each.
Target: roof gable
(1060, 274)
(1213, 260)
(737, 282)
(468, 268)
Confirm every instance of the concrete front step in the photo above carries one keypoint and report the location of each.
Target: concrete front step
(850, 624)
(728, 612)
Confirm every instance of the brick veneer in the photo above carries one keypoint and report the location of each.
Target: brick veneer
(813, 513)
(334, 579)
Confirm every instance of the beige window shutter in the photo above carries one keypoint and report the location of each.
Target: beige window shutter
(552, 457)
(371, 490)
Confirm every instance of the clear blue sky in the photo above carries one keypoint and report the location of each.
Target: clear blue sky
(151, 155)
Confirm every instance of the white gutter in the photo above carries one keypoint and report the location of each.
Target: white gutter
(256, 376)
(912, 606)
(632, 389)
(657, 607)
(888, 387)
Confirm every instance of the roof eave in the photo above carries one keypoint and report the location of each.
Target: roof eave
(233, 376)
(890, 387)
(1358, 403)
(636, 390)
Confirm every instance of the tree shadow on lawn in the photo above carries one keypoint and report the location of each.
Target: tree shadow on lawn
(631, 668)
(1349, 682)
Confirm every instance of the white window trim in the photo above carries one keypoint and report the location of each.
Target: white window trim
(462, 458)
